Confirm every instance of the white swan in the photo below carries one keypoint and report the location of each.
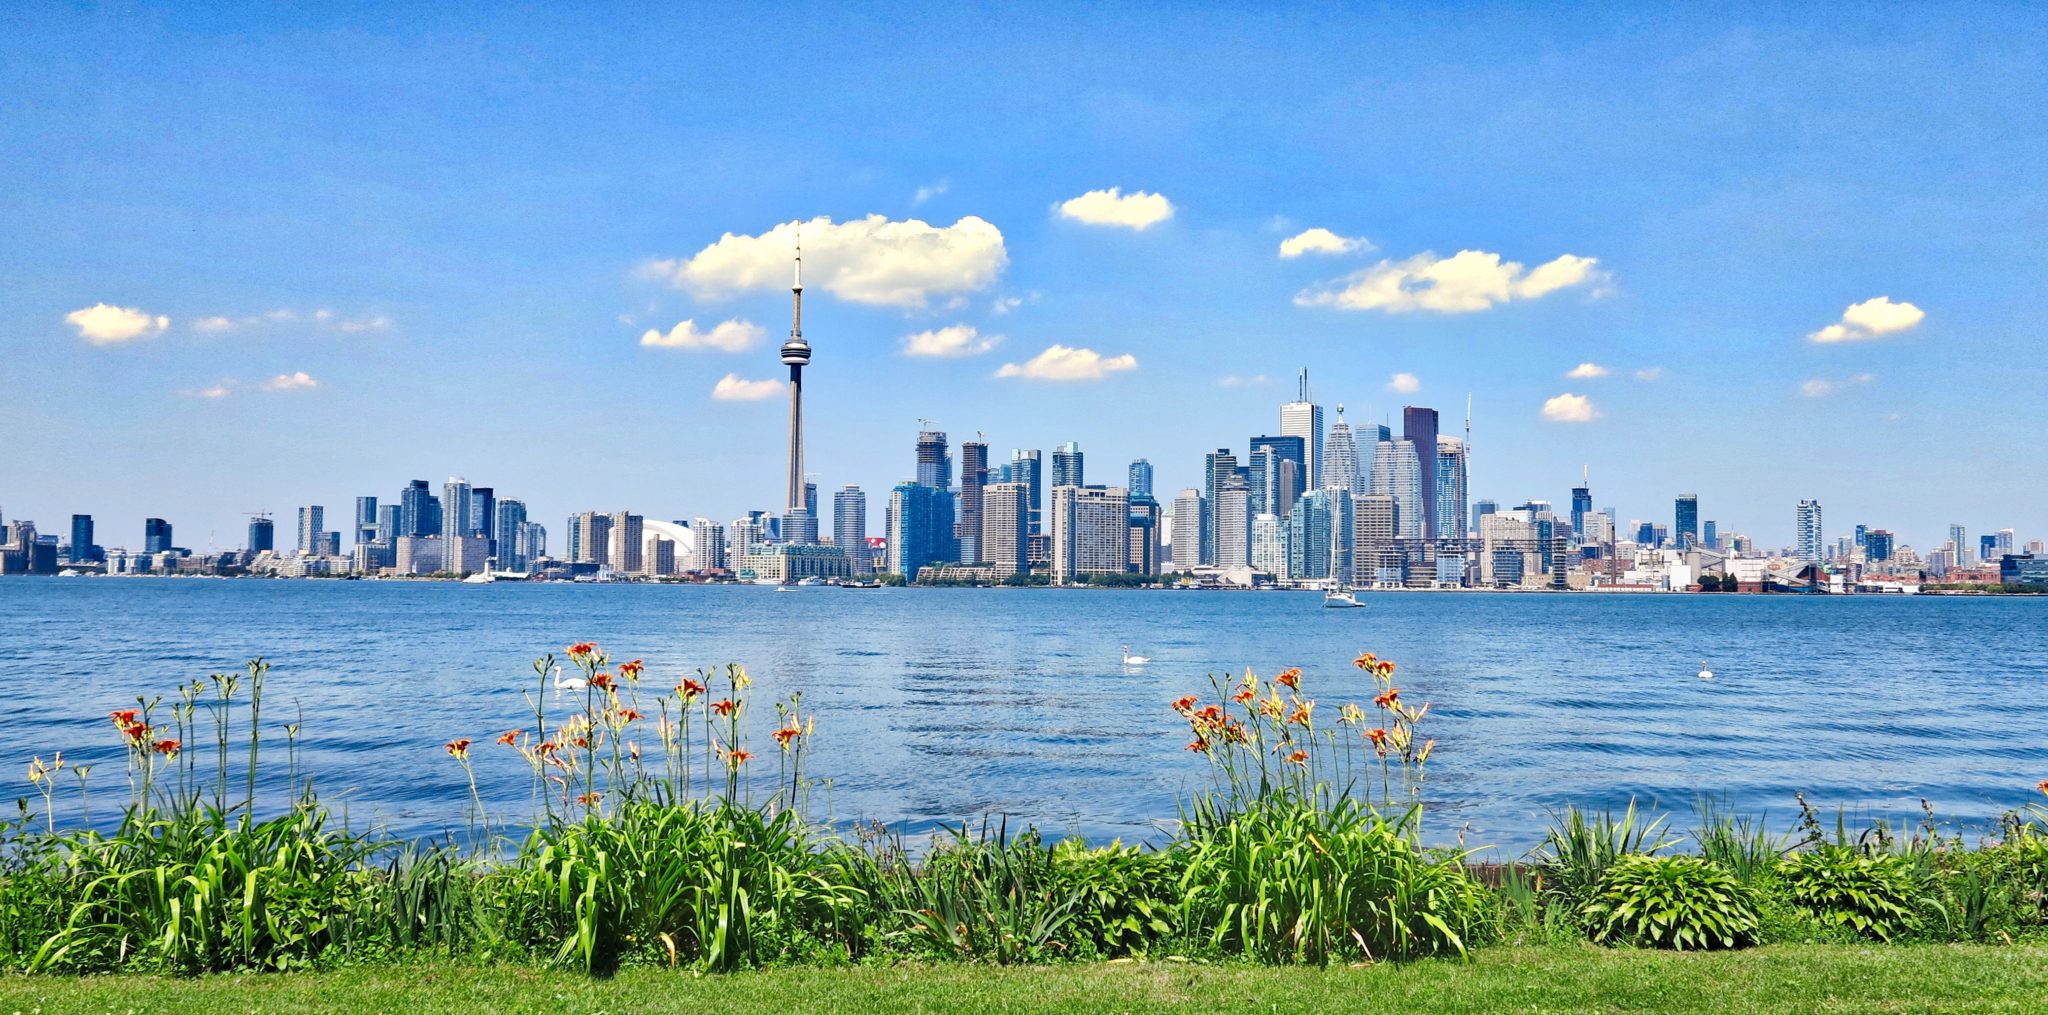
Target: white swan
(1705, 673)
(1131, 660)
(568, 683)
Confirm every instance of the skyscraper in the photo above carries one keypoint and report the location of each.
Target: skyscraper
(1217, 470)
(1090, 531)
(796, 353)
(912, 513)
(1340, 469)
(628, 536)
(262, 534)
(366, 520)
(511, 518)
(1006, 527)
(1233, 523)
(1451, 457)
(1269, 545)
(1481, 509)
(1709, 538)
(1397, 473)
(1686, 527)
(1143, 535)
(1303, 418)
(1582, 504)
(1810, 547)
(1027, 468)
(1419, 425)
(156, 535)
(456, 503)
(390, 522)
(417, 510)
(1959, 539)
(934, 462)
(1308, 537)
(312, 525)
(1141, 480)
(82, 549)
(483, 515)
(973, 479)
(1067, 465)
(1275, 487)
(1189, 528)
(850, 526)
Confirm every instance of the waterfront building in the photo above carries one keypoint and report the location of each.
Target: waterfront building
(84, 551)
(419, 555)
(2028, 570)
(628, 540)
(1308, 537)
(746, 534)
(594, 539)
(973, 481)
(934, 462)
(1140, 480)
(532, 544)
(659, 557)
(1005, 538)
(1375, 527)
(1231, 510)
(1419, 428)
(1026, 468)
(483, 516)
(511, 517)
(1397, 473)
(1511, 550)
(1878, 546)
(2002, 542)
(1278, 472)
(1480, 509)
(850, 526)
(1958, 539)
(1217, 469)
(417, 510)
(1582, 505)
(389, 519)
(1808, 527)
(1269, 545)
(1189, 527)
(1144, 535)
(1709, 537)
(156, 536)
(1340, 450)
(1687, 521)
(262, 535)
(456, 504)
(912, 520)
(1067, 465)
(1451, 458)
(1090, 532)
(466, 555)
(1303, 418)
(312, 524)
(799, 526)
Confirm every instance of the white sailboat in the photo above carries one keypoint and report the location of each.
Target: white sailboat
(1341, 597)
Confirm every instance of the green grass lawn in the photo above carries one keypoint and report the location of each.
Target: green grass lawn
(1783, 978)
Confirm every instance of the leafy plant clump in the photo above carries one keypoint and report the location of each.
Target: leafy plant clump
(1676, 902)
(1870, 894)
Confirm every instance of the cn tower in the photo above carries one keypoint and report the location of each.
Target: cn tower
(796, 352)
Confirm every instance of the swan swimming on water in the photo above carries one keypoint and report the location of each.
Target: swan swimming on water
(1131, 660)
(568, 683)
(1705, 673)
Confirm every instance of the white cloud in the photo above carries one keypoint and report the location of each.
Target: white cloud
(1321, 241)
(731, 388)
(731, 336)
(213, 324)
(929, 191)
(1406, 384)
(104, 324)
(1870, 319)
(1240, 381)
(1586, 371)
(374, 322)
(221, 390)
(953, 340)
(1650, 374)
(286, 315)
(1063, 363)
(295, 381)
(1570, 408)
(1467, 281)
(1821, 387)
(873, 260)
(1135, 210)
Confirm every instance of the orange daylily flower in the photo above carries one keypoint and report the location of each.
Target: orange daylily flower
(786, 734)
(1378, 736)
(587, 799)
(167, 748)
(458, 749)
(1184, 703)
(1302, 713)
(738, 756)
(1385, 667)
(1200, 746)
(630, 714)
(1387, 698)
(582, 648)
(509, 737)
(1243, 696)
(2043, 787)
(1299, 757)
(631, 671)
(689, 689)
(723, 706)
(601, 681)
(1290, 678)
(1365, 660)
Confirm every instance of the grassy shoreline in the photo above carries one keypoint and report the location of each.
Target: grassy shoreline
(1773, 978)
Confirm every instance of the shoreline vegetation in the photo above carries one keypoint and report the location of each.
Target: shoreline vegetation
(666, 829)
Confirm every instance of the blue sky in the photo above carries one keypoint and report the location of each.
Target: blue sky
(493, 205)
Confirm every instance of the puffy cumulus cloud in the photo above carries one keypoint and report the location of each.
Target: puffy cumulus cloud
(106, 324)
(1406, 384)
(1468, 281)
(874, 260)
(733, 388)
(298, 380)
(1136, 210)
(954, 340)
(1586, 371)
(1241, 380)
(1870, 319)
(1064, 363)
(1570, 408)
(1321, 241)
(731, 336)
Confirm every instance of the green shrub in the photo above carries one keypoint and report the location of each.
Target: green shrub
(1124, 895)
(989, 898)
(1870, 894)
(1289, 880)
(1676, 902)
(1577, 851)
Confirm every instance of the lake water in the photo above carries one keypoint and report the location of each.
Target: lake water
(942, 705)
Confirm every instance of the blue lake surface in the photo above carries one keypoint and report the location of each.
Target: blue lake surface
(942, 705)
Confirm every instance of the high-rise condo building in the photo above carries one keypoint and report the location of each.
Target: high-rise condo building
(1419, 426)
(1397, 472)
(1959, 540)
(1006, 527)
(628, 539)
(1375, 524)
(1027, 468)
(973, 479)
(1269, 545)
(1190, 523)
(1273, 484)
(1481, 509)
(1308, 537)
(511, 518)
(262, 535)
(913, 520)
(594, 539)
(533, 544)
(456, 504)
(417, 510)
(1144, 535)
(1067, 465)
(1340, 467)
(390, 518)
(1090, 532)
(82, 549)
(483, 516)
(1303, 418)
(1687, 521)
(1218, 468)
(1140, 480)
(1811, 548)
(1709, 538)
(366, 520)
(712, 554)
(934, 462)
(1233, 523)
(312, 525)
(1451, 457)
(1582, 505)
(850, 526)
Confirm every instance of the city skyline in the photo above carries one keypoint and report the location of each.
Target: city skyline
(349, 318)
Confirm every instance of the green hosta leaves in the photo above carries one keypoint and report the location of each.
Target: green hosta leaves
(1872, 895)
(1671, 902)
